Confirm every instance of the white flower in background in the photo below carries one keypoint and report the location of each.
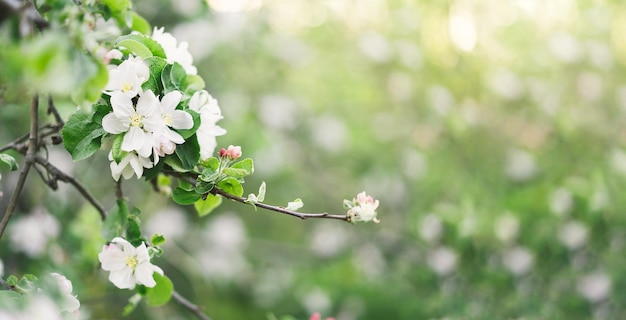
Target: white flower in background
(172, 118)
(162, 146)
(595, 286)
(174, 52)
(561, 201)
(31, 233)
(210, 113)
(69, 302)
(430, 228)
(506, 228)
(138, 123)
(130, 164)
(518, 260)
(442, 260)
(362, 208)
(573, 234)
(128, 77)
(128, 265)
(520, 165)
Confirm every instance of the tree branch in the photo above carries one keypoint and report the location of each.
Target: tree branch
(31, 153)
(6, 285)
(195, 309)
(301, 215)
(57, 174)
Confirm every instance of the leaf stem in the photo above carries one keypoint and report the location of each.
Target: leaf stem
(193, 308)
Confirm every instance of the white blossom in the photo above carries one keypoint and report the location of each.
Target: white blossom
(128, 265)
(175, 52)
(210, 113)
(31, 233)
(363, 208)
(138, 123)
(127, 77)
(172, 118)
(69, 302)
(130, 164)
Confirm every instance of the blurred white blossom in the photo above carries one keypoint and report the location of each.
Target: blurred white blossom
(430, 228)
(573, 234)
(561, 201)
(520, 165)
(442, 260)
(31, 233)
(595, 286)
(518, 260)
(506, 228)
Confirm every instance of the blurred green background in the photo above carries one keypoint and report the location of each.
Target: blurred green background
(492, 132)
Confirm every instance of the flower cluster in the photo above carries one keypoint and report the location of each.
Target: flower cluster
(362, 208)
(151, 105)
(128, 265)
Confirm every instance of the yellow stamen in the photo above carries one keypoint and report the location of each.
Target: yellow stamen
(127, 87)
(132, 262)
(135, 120)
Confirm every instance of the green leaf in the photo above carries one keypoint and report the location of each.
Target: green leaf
(133, 232)
(196, 124)
(82, 136)
(184, 196)
(193, 83)
(116, 148)
(173, 77)
(212, 163)
(155, 65)
(204, 207)
(188, 153)
(161, 292)
(115, 222)
(140, 24)
(295, 205)
(231, 185)
(157, 239)
(150, 173)
(12, 280)
(7, 162)
(245, 164)
(141, 45)
(236, 172)
(203, 187)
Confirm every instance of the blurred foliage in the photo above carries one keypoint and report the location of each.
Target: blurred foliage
(492, 133)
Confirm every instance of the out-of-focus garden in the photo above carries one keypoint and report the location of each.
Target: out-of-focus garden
(492, 132)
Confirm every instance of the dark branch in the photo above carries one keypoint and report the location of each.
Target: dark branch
(195, 309)
(31, 153)
(57, 174)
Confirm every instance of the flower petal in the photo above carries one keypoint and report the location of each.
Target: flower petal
(170, 101)
(112, 124)
(123, 279)
(181, 120)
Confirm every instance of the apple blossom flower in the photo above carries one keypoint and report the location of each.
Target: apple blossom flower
(130, 164)
(233, 152)
(172, 118)
(362, 208)
(69, 302)
(138, 123)
(174, 52)
(210, 113)
(128, 265)
(162, 146)
(127, 77)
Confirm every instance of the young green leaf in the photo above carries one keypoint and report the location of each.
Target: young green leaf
(184, 196)
(7, 162)
(188, 153)
(140, 24)
(295, 205)
(157, 239)
(204, 207)
(161, 292)
(155, 65)
(245, 164)
(236, 172)
(231, 185)
(193, 83)
(141, 45)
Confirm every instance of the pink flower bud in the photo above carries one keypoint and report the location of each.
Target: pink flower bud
(222, 153)
(234, 152)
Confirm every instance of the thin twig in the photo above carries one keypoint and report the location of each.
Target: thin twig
(119, 195)
(53, 110)
(195, 309)
(6, 285)
(301, 215)
(57, 174)
(30, 158)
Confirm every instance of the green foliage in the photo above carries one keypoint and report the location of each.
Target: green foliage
(231, 185)
(206, 205)
(157, 239)
(156, 66)
(161, 293)
(184, 196)
(7, 162)
(187, 133)
(173, 77)
(82, 134)
(141, 45)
